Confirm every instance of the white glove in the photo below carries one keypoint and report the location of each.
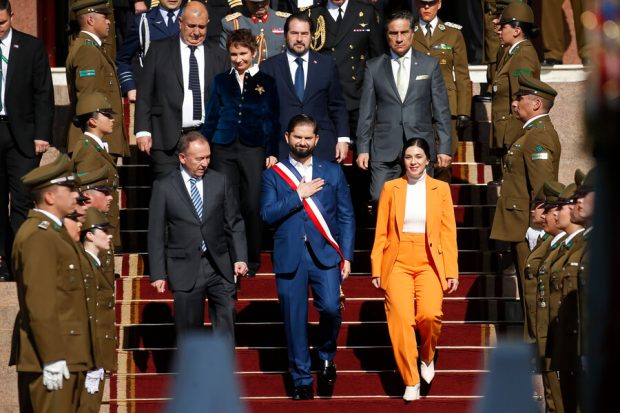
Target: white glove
(92, 380)
(53, 374)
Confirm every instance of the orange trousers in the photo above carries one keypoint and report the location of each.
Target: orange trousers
(413, 299)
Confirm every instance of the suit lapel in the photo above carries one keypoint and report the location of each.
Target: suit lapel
(400, 195)
(285, 72)
(314, 72)
(102, 151)
(433, 203)
(14, 58)
(347, 21)
(387, 65)
(176, 59)
(418, 37)
(157, 21)
(207, 195)
(414, 71)
(180, 187)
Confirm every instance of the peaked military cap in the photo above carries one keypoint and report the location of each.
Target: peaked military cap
(98, 180)
(587, 185)
(517, 11)
(80, 7)
(566, 196)
(93, 102)
(95, 219)
(528, 85)
(539, 197)
(58, 172)
(552, 190)
(579, 175)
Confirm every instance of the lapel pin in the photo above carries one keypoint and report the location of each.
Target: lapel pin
(16, 46)
(315, 62)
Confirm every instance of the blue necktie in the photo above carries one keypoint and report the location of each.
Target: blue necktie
(299, 79)
(170, 23)
(194, 84)
(197, 201)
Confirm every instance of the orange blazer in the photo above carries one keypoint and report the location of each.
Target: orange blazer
(440, 229)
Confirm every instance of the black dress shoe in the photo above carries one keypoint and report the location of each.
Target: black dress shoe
(327, 374)
(551, 62)
(303, 393)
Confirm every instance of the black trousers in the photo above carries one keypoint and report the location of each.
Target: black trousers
(13, 165)
(189, 306)
(243, 166)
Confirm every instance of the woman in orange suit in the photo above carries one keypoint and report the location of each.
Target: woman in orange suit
(414, 256)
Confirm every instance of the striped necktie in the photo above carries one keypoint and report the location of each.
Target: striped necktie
(194, 84)
(197, 201)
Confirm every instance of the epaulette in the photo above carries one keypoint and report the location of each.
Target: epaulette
(441, 27)
(453, 25)
(232, 17)
(282, 14)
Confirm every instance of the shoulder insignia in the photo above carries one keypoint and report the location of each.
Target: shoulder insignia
(539, 148)
(282, 14)
(453, 25)
(361, 14)
(89, 42)
(416, 28)
(88, 73)
(44, 225)
(441, 27)
(232, 17)
(524, 71)
(85, 142)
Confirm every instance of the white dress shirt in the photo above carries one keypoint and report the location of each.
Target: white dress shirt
(251, 71)
(97, 139)
(186, 177)
(433, 23)
(555, 239)
(333, 9)
(396, 65)
(94, 36)
(50, 215)
(573, 235)
(6, 50)
(304, 170)
(292, 65)
(415, 206)
(188, 100)
(164, 13)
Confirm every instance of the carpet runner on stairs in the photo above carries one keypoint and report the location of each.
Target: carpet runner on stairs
(486, 305)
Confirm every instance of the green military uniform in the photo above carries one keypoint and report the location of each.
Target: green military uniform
(552, 29)
(269, 32)
(89, 69)
(102, 311)
(99, 180)
(530, 284)
(88, 156)
(446, 44)
(492, 51)
(520, 58)
(52, 324)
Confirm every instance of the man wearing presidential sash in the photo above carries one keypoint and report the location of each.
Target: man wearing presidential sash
(308, 201)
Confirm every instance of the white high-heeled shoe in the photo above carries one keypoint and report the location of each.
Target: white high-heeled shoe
(412, 393)
(427, 372)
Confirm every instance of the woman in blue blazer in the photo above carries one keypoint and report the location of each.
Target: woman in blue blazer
(242, 126)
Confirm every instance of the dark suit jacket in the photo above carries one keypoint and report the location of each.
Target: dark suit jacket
(252, 117)
(322, 100)
(176, 232)
(132, 45)
(29, 94)
(159, 100)
(384, 120)
(281, 206)
(359, 38)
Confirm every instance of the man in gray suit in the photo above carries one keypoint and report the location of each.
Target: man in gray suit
(403, 97)
(196, 233)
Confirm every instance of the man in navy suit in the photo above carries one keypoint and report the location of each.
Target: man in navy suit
(308, 83)
(308, 201)
(158, 23)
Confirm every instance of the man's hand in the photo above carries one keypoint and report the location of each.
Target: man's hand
(443, 160)
(139, 6)
(53, 374)
(376, 282)
(453, 284)
(346, 270)
(131, 95)
(362, 161)
(144, 144)
(270, 161)
(342, 150)
(40, 146)
(241, 268)
(160, 286)
(307, 189)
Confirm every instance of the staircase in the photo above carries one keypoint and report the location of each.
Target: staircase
(485, 306)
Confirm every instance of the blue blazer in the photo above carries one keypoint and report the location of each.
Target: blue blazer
(252, 117)
(281, 207)
(323, 100)
(131, 46)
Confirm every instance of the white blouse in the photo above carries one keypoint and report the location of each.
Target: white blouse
(415, 206)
